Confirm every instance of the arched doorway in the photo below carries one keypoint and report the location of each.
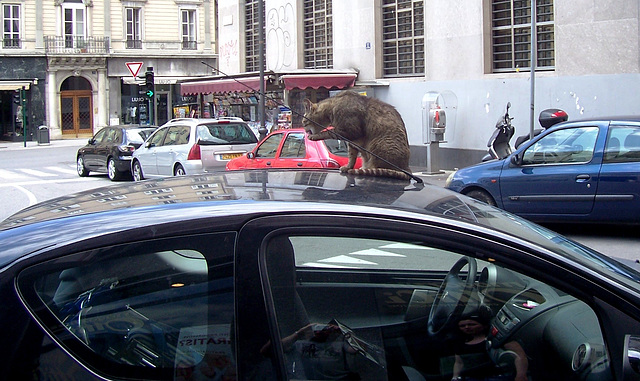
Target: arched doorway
(75, 107)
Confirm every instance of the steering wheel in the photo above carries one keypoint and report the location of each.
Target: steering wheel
(452, 297)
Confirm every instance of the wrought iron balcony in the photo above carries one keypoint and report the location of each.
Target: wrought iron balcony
(76, 44)
(11, 43)
(134, 44)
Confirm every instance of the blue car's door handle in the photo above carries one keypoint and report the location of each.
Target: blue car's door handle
(582, 178)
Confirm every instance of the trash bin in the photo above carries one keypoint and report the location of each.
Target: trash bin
(43, 135)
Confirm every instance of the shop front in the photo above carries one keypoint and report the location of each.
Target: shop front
(284, 95)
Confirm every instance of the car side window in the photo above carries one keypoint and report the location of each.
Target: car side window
(269, 147)
(145, 310)
(110, 136)
(376, 309)
(177, 135)
(158, 137)
(294, 146)
(99, 136)
(565, 146)
(623, 145)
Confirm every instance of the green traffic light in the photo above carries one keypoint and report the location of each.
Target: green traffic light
(149, 93)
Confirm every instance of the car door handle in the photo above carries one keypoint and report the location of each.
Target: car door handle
(299, 164)
(582, 178)
(268, 163)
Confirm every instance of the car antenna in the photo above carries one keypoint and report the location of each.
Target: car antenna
(329, 129)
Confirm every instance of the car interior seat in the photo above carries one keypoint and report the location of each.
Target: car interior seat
(612, 150)
(632, 145)
(290, 311)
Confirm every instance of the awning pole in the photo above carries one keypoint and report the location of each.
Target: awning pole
(534, 46)
(263, 129)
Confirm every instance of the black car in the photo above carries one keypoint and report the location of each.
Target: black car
(109, 150)
(262, 275)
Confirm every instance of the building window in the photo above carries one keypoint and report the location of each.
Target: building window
(318, 35)
(11, 22)
(252, 36)
(403, 37)
(511, 35)
(188, 25)
(133, 20)
(74, 25)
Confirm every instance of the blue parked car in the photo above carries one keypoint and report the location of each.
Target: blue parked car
(579, 171)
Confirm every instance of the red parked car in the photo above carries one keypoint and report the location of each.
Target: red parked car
(291, 148)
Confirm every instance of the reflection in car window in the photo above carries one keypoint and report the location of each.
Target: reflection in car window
(623, 145)
(337, 147)
(155, 306)
(100, 135)
(569, 145)
(269, 146)
(177, 135)
(294, 146)
(334, 294)
(138, 136)
(226, 133)
(156, 139)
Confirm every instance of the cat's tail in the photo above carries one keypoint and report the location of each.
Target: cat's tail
(380, 172)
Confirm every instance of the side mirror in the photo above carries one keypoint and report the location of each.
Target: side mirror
(251, 155)
(516, 160)
(91, 141)
(148, 145)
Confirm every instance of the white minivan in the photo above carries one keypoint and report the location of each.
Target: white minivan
(190, 146)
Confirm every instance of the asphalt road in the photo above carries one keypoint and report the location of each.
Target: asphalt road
(39, 172)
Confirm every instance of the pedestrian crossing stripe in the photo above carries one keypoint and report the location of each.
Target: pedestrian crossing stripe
(347, 259)
(377, 253)
(401, 245)
(35, 172)
(10, 175)
(68, 171)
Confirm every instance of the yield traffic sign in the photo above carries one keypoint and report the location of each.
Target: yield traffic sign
(134, 68)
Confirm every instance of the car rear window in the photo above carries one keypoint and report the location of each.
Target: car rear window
(138, 136)
(227, 133)
(337, 147)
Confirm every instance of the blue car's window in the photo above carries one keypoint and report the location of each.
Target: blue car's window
(566, 146)
(365, 308)
(150, 310)
(623, 145)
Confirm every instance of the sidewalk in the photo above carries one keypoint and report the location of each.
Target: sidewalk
(17, 146)
(435, 179)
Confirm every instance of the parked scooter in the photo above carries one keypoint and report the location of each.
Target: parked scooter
(547, 118)
(498, 144)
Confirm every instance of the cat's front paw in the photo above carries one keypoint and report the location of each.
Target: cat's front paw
(314, 137)
(345, 169)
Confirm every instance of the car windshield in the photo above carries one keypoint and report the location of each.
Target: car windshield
(139, 135)
(227, 133)
(557, 243)
(337, 147)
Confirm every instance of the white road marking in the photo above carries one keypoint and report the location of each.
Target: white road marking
(347, 259)
(376, 253)
(35, 172)
(32, 198)
(400, 245)
(326, 265)
(68, 171)
(10, 175)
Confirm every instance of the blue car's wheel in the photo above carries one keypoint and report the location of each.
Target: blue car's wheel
(483, 196)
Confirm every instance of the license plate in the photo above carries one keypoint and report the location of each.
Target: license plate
(229, 156)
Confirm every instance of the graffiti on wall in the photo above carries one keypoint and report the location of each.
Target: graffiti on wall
(228, 50)
(280, 29)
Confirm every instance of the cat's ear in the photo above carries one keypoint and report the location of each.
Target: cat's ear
(308, 105)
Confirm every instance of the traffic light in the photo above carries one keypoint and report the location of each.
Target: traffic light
(149, 82)
(16, 97)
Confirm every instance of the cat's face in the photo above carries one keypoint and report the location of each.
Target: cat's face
(311, 120)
